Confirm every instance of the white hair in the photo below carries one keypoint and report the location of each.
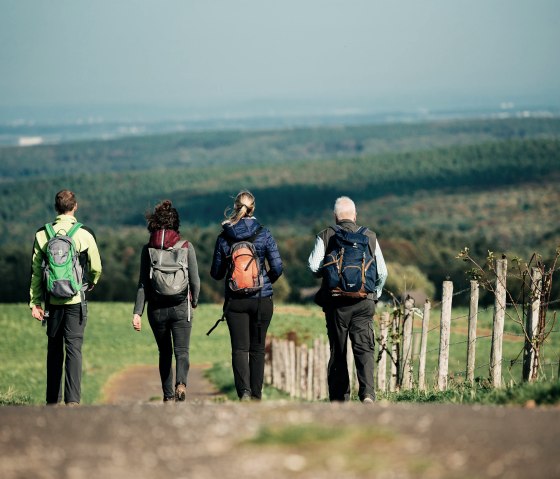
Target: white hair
(344, 208)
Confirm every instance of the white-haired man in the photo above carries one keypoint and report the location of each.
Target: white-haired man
(348, 314)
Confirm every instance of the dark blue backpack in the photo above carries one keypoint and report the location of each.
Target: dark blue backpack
(349, 269)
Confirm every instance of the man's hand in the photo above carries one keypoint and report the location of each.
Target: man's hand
(137, 322)
(37, 312)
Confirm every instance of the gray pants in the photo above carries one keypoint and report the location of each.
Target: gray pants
(350, 319)
(65, 329)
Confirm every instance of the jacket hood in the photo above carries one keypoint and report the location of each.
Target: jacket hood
(168, 237)
(243, 229)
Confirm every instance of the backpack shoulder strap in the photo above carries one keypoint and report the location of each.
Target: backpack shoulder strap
(362, 230)
(73, 230)
(50, 231)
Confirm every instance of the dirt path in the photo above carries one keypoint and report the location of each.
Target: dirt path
(278, 439)
(136, 436)
(141, 384)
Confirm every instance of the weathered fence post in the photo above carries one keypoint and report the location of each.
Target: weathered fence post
(395, 360)
(408, 322)
(498, 323)
(303, 371)
(310, 374)
(445, 331)
(531, 355)
(325, 355)
(382, 356)
(292, 366)
(424, 346)
(471, 338)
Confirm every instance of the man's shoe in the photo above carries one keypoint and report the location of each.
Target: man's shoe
(72, 404)
(368, 400)
(245, 398)
(169, 400)
(180, 392)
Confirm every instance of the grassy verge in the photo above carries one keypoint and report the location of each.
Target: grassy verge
(111, 345)
(540, 393)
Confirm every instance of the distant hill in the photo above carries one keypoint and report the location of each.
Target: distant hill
(428, 189)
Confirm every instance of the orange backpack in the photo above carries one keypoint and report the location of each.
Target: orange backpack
(244, 274)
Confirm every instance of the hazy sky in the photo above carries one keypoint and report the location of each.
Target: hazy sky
(230, 52)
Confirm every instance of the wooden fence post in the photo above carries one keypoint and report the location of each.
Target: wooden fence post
(310, 374)
(325, 355)
(395, 360)
(274, 363)
(531, 354)
(292, 366)
(382, 356)
(303, 371)
(471, 338)
(445, 331)
(498, 323)
(408, 322)
(424, 346)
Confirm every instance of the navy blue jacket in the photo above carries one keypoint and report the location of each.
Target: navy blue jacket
(264, 244)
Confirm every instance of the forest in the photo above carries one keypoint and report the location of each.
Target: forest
(427, 189)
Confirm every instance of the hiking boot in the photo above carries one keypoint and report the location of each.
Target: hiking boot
(368, 400)
(180, 392)
(72, 404)
(245, 398)
(169, 400)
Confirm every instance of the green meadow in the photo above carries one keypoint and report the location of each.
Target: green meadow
(111, 345)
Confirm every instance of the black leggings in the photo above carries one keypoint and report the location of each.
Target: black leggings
(248, 342)
(171, 322)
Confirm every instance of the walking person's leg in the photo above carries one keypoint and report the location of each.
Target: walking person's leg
(158, 318)
(338, 318)
(74, 326)
(363, 346)
(55, 354)
(55, 362)
(238, 322)
(181, 332)
(257, 344)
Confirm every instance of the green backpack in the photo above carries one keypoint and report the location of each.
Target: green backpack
(62, 269)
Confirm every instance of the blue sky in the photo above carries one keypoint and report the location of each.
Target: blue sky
(218, 54)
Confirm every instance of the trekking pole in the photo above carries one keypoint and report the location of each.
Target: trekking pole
(223, 318)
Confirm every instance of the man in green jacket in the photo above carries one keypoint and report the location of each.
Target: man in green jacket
(65, 317)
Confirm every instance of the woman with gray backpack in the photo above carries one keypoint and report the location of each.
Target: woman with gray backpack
(240, 253)
(170, 284)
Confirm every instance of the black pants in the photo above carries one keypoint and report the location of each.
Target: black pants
(354, 319)
(65, 330)
(172, 332)
(248, 342)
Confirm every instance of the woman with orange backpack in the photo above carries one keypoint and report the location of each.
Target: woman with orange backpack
(239, 256)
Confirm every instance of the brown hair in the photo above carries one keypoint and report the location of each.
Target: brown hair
(164, 216)
(64, 201)
(244, 205)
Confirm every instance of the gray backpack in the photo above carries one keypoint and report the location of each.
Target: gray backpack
(169, 272)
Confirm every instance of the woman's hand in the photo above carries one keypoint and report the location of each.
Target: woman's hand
(137, 322)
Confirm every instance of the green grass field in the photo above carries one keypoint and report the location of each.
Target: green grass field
(111, 345)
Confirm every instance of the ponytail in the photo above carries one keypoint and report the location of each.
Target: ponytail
(243, 206)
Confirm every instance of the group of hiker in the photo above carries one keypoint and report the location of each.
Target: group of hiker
(66, 265)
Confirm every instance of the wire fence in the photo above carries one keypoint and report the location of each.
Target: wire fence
(497, 344)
